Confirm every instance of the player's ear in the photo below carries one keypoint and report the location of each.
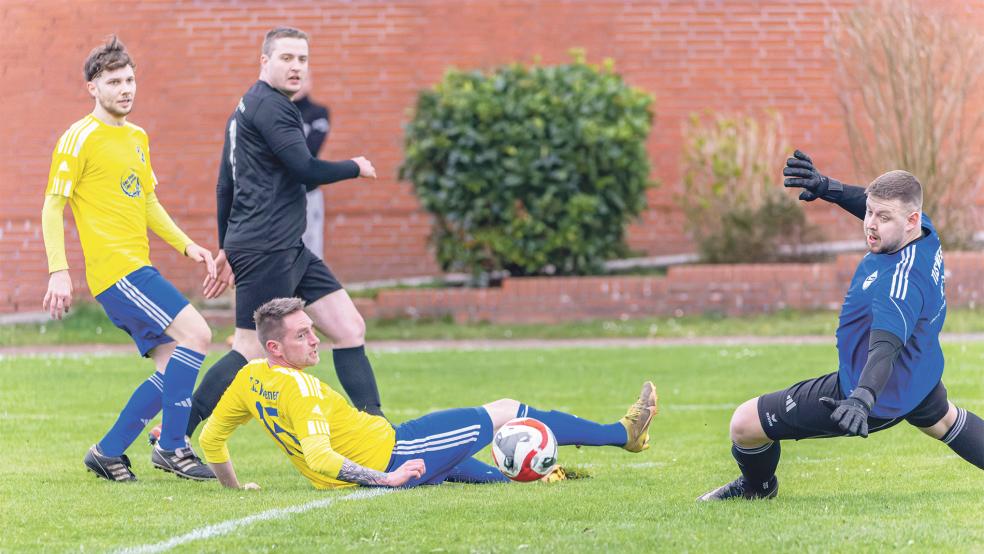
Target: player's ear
(914, 219)
(91, 87)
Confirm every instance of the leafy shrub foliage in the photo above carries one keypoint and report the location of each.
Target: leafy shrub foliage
(733, 200)
(532, 170)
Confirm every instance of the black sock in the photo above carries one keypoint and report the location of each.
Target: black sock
(966, 437)
(758, 465)
(210, 390)
(355, 374)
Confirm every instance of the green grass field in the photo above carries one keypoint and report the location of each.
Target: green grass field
(88, 324)
(898, 490)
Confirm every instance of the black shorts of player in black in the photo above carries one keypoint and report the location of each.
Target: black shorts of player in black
(895, 306)
(261, 277)
(796, 413)
(265, 172)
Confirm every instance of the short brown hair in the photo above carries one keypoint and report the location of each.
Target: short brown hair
(270, 316)
(280, 32)
(110, 55)
(897, 185)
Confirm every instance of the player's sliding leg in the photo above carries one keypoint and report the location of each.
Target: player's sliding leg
(172, 453)
(631, 432)
(757, 456)
(476, 472)
(962, 431)
(336, 316)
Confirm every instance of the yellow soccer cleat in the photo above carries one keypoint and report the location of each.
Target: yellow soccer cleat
(638, 418)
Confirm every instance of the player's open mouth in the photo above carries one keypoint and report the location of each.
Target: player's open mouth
(872, 239)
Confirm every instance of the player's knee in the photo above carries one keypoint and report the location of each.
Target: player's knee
(200, 337)
(351, 332)
(501, 411)
(746, 430)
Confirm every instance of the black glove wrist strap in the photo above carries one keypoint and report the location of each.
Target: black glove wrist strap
(865, 396)
(834, 190)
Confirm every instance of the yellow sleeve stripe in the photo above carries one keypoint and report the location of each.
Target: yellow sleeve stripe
(318, 428)
(73, 145)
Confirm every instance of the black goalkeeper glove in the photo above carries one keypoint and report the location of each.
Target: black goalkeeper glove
(800, 173)
(851, 414)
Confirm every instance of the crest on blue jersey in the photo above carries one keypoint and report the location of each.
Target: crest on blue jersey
(131, 185)
(871, 279)
(140, 153)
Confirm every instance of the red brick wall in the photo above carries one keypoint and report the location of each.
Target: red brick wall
(369, 60)
(686, 290)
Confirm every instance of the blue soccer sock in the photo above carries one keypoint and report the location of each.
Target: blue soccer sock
(475, 472)
(570, 429)
(143, 405)
(179, 381)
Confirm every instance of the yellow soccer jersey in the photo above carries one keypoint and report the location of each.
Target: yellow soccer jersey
(105, 173)
(292, 405)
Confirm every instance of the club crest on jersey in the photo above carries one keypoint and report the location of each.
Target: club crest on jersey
(871, 279)
(140, 153)
(131, 185)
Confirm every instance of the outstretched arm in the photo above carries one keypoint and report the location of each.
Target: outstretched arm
(321, 458)
(801, 173)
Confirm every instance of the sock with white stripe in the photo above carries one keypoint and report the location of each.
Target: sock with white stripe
(966, 437)
(355, 374)
(475, 472)
(143, 405)
(179, 381)
(758, 465)
(570, 429)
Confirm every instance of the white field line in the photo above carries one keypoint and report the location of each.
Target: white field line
(226, 527)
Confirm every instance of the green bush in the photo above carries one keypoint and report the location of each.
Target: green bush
(734, 203)
(532, 170)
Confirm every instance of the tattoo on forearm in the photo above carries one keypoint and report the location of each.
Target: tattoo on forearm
(354, 473)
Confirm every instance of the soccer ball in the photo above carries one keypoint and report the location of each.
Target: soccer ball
(524, 449)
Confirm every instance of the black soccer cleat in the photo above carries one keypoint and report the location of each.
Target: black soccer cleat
(739, 488)
(111, 468)
(182, 462)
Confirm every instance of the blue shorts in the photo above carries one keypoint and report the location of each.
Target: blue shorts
(443, 440)
(143, 304)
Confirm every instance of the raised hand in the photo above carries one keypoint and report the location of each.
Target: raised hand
(801, 173)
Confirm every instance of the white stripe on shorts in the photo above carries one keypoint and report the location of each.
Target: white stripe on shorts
(401, 447)
(140, 303)
(439, 435)
(435, 448)
(149, 302)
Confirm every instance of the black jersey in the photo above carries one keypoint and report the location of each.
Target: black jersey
(265, 160)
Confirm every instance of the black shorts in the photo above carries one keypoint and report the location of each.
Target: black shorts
(263, 276)
(796, 412)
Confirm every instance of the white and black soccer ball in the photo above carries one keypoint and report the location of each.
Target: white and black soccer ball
(524, 449)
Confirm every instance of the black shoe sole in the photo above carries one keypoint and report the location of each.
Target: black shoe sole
(183, 476)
